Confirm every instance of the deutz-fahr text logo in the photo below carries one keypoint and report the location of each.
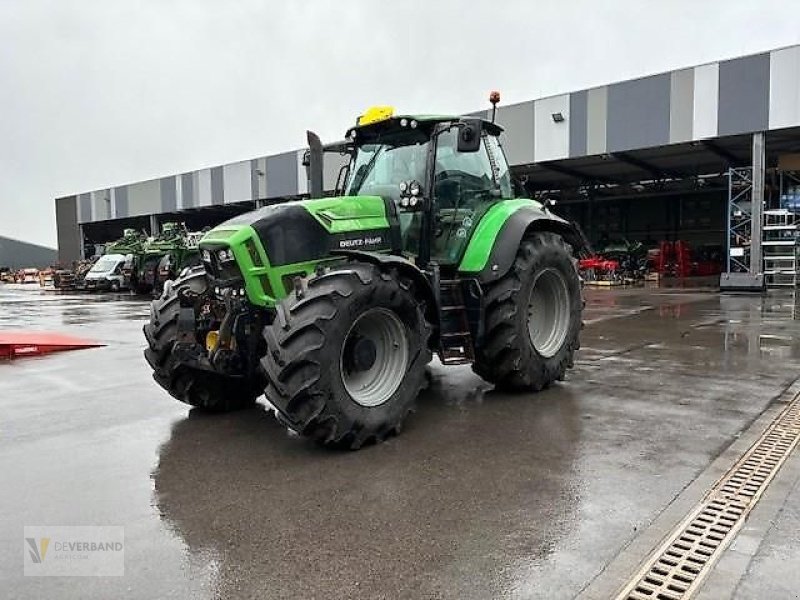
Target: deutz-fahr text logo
(362, 242)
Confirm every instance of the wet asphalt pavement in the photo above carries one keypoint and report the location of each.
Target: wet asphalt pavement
(484, 495)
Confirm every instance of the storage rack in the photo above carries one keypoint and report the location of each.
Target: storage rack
(740, 219)
(781, 244)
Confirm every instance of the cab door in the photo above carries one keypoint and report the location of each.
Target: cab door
(465, 185)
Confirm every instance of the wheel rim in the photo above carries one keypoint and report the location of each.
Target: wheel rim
(548, 312)
(379, 335)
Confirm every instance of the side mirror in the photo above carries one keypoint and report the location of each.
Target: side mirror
(469, 135)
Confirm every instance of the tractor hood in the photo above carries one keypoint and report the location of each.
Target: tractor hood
(307, 230)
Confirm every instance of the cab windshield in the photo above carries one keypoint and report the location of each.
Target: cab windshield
(105, 264)
(379, 168)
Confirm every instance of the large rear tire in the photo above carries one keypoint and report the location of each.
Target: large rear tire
(533, 318)
(346, 356)
(204, 389)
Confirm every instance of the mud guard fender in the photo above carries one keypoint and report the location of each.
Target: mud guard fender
(423, 288)
(520, 223)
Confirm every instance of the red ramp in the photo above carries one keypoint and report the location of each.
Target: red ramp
(14, 344)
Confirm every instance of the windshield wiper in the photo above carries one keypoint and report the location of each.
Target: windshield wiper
(363, 172)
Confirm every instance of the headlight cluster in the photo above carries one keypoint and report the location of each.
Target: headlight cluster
(407, 201)
(234, 292)
(410, 192)
(220, 263)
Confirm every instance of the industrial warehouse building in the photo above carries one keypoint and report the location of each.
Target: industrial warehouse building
(647, 159)
(15, 254)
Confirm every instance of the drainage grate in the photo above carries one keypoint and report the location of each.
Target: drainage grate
(676, 569)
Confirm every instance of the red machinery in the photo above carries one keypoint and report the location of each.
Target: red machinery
(14, 344)
(597, 268)
(677, 259)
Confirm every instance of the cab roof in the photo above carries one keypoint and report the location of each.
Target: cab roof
(394, 123)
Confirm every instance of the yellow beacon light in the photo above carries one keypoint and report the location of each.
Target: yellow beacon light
(376, 113)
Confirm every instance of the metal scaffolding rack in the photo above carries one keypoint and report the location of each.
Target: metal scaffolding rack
(740, 219)
(744, 263)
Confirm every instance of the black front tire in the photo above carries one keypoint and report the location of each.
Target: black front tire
(206, 390)
(305, 357)
(508, 357)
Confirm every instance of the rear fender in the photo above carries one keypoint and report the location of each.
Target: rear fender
(520, 223)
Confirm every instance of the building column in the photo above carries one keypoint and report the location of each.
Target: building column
(82, 243)
(757, 209)
(153, 225)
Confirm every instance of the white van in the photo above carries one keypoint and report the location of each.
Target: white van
(107, 274)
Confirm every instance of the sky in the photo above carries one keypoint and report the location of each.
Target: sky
(95, 93)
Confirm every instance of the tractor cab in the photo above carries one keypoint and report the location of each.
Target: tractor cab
(442, 173)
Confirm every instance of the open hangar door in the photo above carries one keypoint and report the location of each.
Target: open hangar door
(96, 235)
(695, 216)
(668, 194)
(197, 219)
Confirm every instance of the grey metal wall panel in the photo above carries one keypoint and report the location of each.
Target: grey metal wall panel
(638, 113)
(187, 190)
(84, 208)
(517, 139)
(121, 197)
(262, 177)
(69, 241)
(101, 205)
(282, 175)
(217, 186)
(332, 164)
(481, 114)
(784, 88)
(254, 179)
(706, 95)
(202, 187)
(578, 122)
(743, 95)
(551, 138)
(105, 206)
(237, 182)
(681, 105)
(302, 173)
(169, 199)
(144, 198)
(596, 118)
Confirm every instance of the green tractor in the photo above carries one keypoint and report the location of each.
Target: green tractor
(164, 256)
(332, 307)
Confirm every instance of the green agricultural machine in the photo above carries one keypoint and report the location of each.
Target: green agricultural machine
(332, 307)
(164, 256)
(131, 244)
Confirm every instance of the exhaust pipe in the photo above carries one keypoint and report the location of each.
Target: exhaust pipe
(314, 165)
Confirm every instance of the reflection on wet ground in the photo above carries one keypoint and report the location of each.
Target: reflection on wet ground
(483, 495)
